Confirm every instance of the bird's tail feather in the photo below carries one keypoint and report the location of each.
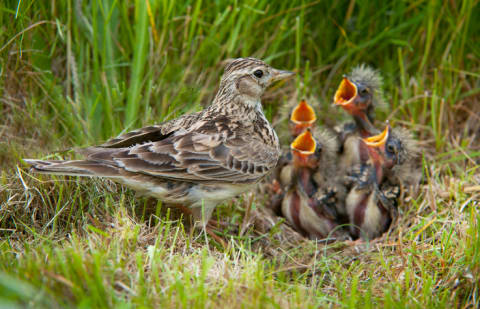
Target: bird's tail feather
(73, 168)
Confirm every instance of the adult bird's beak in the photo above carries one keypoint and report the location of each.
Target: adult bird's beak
(279, 75)
(303, 116)
(303, 148)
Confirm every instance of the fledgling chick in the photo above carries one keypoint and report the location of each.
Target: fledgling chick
(407, 171)
(358, 94)
(368, 217)
(302, 117)
(370, 208)
(299, 205)
(354, 154)
(331, 189)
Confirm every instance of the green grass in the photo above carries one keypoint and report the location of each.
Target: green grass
(73, 73)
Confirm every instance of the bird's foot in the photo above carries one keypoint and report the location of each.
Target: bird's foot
(210, 230)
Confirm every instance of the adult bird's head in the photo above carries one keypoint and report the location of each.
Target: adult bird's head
(359, 94)
(248, 78)
(302, 117)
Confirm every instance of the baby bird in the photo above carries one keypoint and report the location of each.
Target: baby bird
(309, 215)
(370, 206)
(407, 171)
(302, 117)
(197, 160)
(358, 94)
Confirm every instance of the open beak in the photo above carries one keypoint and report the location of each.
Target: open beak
(302, 117)
(303, 147)
(280, 75)
(346, 93)
(347, 97)
(376, 149)
(378, 140)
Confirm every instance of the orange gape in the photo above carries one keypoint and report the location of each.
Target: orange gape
(303, 147)
(378, 140)
(376, 148)
(346, 93)
(303, 117)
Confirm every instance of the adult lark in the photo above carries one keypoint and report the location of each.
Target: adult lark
(196, 160)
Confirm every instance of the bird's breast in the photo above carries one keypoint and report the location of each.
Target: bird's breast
(216, 192)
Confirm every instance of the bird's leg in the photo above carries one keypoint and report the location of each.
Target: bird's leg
(246, 218)
(210, 231)
(185, 210)
(196, 213)
(202, 215)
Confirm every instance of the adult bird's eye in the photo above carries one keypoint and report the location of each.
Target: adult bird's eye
(258, 73)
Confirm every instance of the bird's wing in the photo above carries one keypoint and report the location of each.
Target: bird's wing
(151, 133)
(140, 136)
(194, 156)
(362, 176)
(388, 202)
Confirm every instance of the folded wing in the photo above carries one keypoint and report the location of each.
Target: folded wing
(192, 156)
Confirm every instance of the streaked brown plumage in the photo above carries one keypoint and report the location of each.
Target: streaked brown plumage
(196, 160)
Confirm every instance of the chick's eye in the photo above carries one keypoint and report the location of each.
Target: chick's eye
(258, 73)
(391, 148)
(364, 91)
